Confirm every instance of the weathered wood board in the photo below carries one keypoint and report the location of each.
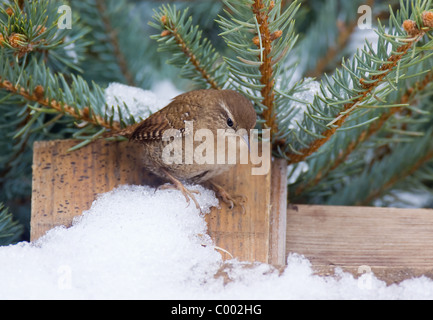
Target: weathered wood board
(395, 244)
(66, 183)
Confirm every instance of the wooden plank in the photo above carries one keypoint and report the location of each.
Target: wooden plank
(66, 183)
(396, 243)
(244, 236)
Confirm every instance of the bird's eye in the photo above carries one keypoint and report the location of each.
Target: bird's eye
(230, 122)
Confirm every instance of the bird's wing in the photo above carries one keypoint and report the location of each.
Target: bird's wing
(172, 117)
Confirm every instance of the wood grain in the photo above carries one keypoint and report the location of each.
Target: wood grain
(66, 183)
(397, 242)
(245, 236)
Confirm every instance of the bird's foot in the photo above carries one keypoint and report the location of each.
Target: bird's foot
(231, 201)
(177, 185)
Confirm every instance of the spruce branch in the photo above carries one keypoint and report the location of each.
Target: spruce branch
(10, 230)
(398, 177)
(266, 68)
(113, 34)
(191, 56)
(261, 36)
(408, 98)
(48, 93)
(32, 30)
(401, 169)
(362, 96)
(20, 147)
(113, 37)
(327, 37)
(345, 31)
(399, 164)
(199, 60)
(118, 49)
(366, 83)
(79, 114)
(404, 167)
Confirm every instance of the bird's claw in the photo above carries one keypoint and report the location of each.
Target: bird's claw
(188, 194)
(231, 201)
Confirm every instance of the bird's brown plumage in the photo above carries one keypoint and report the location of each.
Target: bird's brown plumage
(206, 109)
(199, 106)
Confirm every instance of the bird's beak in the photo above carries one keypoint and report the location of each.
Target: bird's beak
(246, 138)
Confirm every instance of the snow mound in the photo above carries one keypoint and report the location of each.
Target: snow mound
(139, 103)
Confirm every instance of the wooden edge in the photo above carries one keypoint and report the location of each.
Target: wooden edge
(390, 275)
(278, 213)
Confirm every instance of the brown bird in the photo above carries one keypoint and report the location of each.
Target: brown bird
(171, 127)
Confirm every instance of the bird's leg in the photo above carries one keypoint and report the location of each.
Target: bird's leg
(227, 198)
(189, 194)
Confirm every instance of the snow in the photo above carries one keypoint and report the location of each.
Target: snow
(302, 99)
(140, 103)
(136, 242)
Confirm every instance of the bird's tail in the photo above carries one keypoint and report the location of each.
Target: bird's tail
(125, 132)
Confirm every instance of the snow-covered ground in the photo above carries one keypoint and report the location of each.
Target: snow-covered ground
(135, 243)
